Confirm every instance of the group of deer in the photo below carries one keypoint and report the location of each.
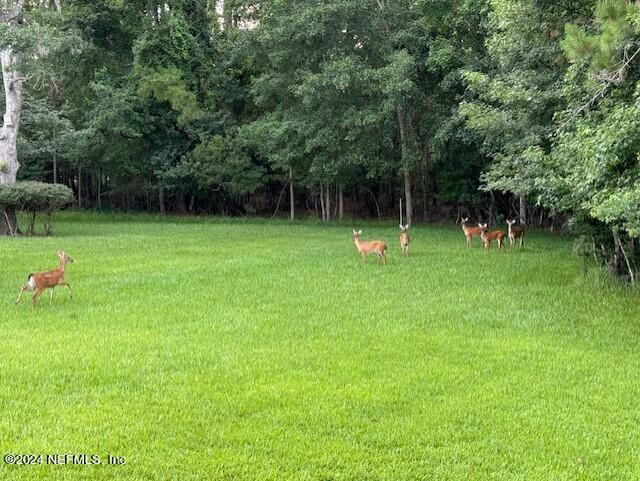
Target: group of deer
(515, 234)
(378, 247)
(39, 282)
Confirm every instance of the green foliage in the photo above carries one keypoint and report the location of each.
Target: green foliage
(167, 85)
(34, 198)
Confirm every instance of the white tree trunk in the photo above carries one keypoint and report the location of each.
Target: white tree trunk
(13, 103)
(9, 164)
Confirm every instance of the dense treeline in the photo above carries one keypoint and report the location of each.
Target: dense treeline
(487, 107)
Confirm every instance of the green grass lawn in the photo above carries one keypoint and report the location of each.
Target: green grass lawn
(209, 349)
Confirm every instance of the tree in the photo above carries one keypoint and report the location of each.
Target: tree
(592, 170)
(517, 96)
(16, 42)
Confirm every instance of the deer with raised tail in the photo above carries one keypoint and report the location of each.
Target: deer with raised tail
(516, 232)
(469, 231)
(47, 280)
(404, 239)
(487, 237)
(370, 247)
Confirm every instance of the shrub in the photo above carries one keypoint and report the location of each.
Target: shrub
(35, 198)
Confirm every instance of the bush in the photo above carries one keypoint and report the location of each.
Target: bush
(35, 198)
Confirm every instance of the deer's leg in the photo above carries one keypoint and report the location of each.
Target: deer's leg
(36, 296)
(20, 295)
(68, 286)
(362, 258)
(53, 289)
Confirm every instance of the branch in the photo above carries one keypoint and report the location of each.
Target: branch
(607, 81)
(17, 79)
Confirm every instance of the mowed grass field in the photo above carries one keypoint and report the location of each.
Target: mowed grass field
(255, 350)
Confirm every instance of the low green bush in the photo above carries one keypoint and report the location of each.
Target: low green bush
(35, 198)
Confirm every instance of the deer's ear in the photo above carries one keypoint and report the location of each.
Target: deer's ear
(400, 225)
(406, 227)
(354, 231)
(360, 232)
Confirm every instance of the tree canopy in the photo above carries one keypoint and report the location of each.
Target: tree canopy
(492, 108)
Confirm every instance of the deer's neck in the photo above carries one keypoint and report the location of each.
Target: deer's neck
(61, 267)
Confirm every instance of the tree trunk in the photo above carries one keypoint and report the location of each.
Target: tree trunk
(181, 203)
(322, 207)
(99, 188)
(340, 202)
(427, 181)
(163, 209)
(405, 165)
(523, 209)
(80, 186)
(327, 205)
(9, 164)
(13, 107)
(292, 200)
(55, 157)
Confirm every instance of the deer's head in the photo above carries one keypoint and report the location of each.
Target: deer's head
(64, 258)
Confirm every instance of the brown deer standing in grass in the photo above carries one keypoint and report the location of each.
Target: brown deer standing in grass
(369, 247)
(469, 232)
(47, 280)
(404, 239)
(515, 233)
(488, 237)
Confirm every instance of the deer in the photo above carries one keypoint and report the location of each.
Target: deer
(404, 239)
(488, 237)
(47, 280)
(369, 247)
(469, 232)
(515, 233)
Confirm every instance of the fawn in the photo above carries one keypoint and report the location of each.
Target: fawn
(368, 247)
(47, 280)
(515, 233)
(469, 232)
(404, 239)
(488, 237)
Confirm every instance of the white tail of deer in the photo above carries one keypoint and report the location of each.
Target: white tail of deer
(370, 247)
(516, 232)
(404, 239)
(47, 280)
(469, 231)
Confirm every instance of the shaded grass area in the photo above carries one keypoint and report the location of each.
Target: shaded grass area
(226, 350)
